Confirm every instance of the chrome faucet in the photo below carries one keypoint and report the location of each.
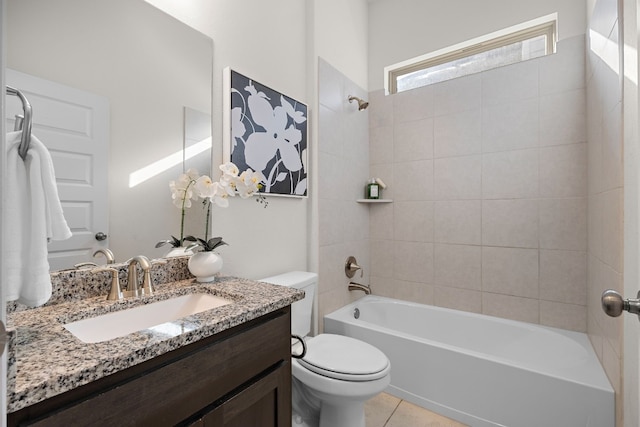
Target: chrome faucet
(115, 292)
(353, 286)
(133, 288)
(108, 254)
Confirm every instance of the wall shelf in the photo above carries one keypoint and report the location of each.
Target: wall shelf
(374, 201)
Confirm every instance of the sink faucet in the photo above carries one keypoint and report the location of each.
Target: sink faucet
(133, 288)
(115, 293)
(107, 254)
(353, 286)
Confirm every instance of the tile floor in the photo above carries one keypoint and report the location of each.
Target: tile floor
(385, 410)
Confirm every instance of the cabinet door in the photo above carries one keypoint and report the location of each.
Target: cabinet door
(264, 403)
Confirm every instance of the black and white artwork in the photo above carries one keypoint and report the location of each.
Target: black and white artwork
(267, 134)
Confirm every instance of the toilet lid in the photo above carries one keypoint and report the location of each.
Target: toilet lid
(345, 358)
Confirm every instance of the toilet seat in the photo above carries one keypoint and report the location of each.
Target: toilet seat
(344, 358)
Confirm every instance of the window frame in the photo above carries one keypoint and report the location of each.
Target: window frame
(503, 38)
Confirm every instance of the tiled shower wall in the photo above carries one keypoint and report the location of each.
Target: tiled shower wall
(488, 176)
(343, 165)
(604, 130)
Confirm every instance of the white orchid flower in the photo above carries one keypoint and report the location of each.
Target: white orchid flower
(220, 195)
(229, 169)
(182, 191)
(248, 183)
(204, 186)
(193, 174)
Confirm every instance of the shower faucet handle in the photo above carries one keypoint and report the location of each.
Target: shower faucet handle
(351, 266)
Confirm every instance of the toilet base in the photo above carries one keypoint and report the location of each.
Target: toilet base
(312, 408)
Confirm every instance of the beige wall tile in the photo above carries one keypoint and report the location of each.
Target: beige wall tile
(512, 223)
(564, 316)
(459, 266)
(458, 222)
(412, 105)
(510, 174)
(413, 261)
(382, 258)
(563, 224)
(510, 271)
(413, 221)
(510, 126)
(510, 307)
(612, 149)
(413, 180)
(505, 84)
(612, 228)
(413, 141)
(563, 171)
(457, 134)
(563, 276)
(381, 221)
(458, 299)
(380, 145)
(457, 95)
(458, 178)
(563, 118)
(380, 109)
(565, 70)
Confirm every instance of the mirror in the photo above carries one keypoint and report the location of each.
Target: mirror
(156, 73)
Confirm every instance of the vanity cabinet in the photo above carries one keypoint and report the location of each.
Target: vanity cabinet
(238, 377)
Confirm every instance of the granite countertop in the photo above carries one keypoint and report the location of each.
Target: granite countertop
(47, 360)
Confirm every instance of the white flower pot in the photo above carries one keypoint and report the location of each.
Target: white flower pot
(179, 251)
(205, 265)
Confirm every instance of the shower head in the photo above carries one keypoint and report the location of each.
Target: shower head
(362, 104)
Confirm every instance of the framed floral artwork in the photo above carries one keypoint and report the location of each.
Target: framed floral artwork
(266, 131)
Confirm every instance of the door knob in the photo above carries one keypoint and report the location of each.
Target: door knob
(613, 304)
(100, 236)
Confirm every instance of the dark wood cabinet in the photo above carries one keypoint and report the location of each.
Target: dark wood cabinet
(238, 377)
(260, 404)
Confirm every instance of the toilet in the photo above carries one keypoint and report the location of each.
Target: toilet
(337, 375)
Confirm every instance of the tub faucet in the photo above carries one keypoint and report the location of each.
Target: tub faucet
(353, 286)
(133, 288)
(107, 254)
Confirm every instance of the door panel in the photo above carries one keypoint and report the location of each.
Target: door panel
(74, 126)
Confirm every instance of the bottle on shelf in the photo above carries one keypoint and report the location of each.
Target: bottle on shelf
(372, 190)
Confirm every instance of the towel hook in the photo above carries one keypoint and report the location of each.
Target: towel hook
(26, 121)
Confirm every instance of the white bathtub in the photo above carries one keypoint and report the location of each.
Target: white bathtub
(483, 370)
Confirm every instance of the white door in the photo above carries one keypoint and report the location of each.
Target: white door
(74, 126)
(3, 317)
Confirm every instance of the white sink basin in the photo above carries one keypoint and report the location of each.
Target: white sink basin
(120, 323)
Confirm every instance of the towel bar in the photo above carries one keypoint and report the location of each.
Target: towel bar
(26, 121)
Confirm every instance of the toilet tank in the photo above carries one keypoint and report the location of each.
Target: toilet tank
(301, 311)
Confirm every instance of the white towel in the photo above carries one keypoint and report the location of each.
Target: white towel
(15, 226)
(36, 216)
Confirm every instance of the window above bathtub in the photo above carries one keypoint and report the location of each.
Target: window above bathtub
(521, 42)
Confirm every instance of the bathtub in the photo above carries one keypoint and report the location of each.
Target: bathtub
(482, 370)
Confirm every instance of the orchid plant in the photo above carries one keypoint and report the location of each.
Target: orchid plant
(191, 186)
